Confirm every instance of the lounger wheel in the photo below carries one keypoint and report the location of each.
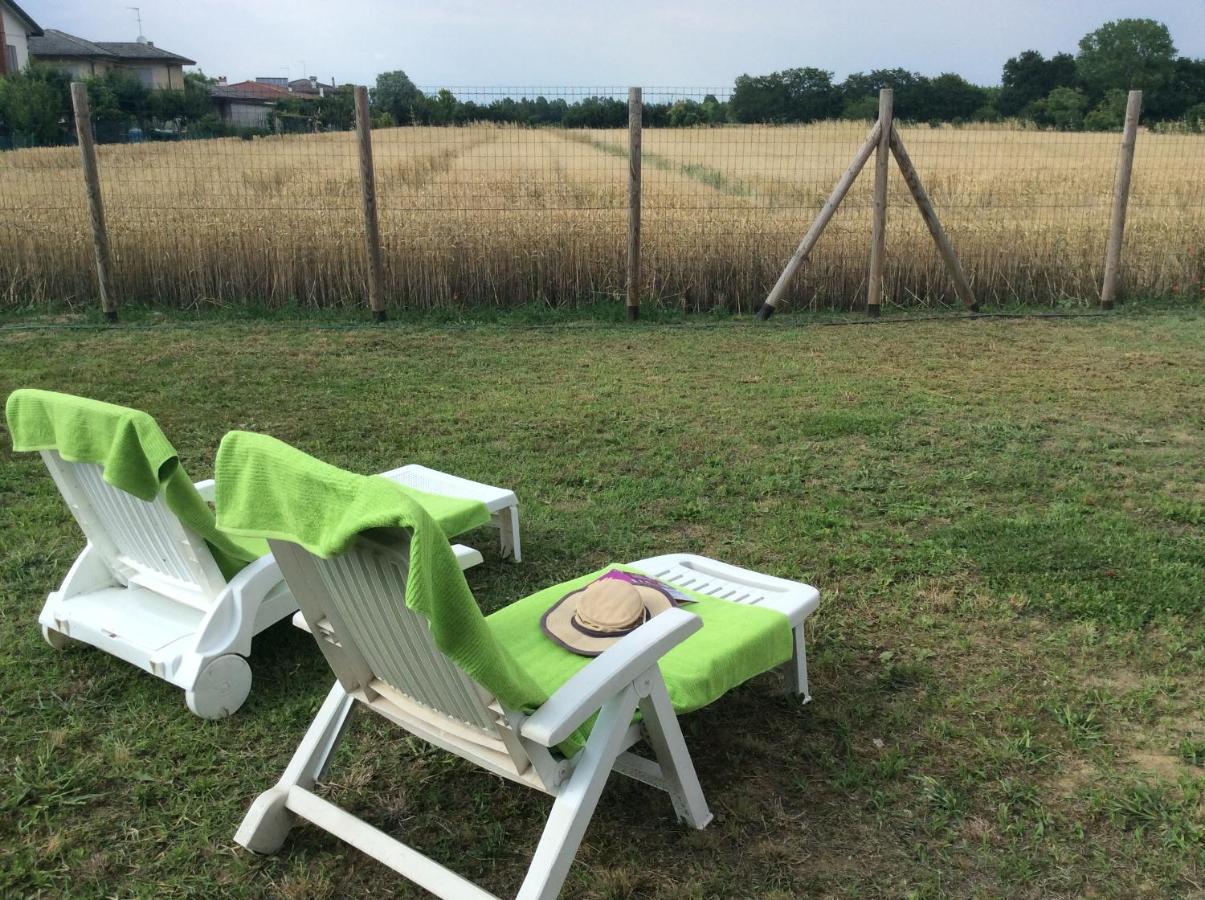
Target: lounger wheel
(221, 687)
(56, 639)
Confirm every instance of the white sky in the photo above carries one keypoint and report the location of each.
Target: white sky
(699, 43)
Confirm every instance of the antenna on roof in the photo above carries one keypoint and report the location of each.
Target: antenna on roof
(138, 15)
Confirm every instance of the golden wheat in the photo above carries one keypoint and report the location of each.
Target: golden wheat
(505, 215)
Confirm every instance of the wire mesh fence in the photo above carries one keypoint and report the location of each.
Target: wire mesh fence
(487, 210)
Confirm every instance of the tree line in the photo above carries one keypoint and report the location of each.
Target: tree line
(1085, 90)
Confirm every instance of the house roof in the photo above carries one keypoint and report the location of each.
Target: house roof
(304, 85)
(136, 50)
(59, 43)
(249, 90)
(35, 30)
(55, 44)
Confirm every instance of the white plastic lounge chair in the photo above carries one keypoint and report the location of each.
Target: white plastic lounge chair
(157, 585)
(147, 590)
(502, 504)
(385, 658)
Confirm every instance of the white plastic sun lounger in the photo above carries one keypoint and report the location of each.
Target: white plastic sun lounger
(385, 659)
(502, 504)
(147, 589)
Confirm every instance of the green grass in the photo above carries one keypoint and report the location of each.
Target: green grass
(1004, 518)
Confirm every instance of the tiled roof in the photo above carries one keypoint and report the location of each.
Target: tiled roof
(249, 90)
(59, 43)
(135, 50)
(55, 44)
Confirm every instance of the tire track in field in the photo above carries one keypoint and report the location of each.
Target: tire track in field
(705, 175)
(413, 173)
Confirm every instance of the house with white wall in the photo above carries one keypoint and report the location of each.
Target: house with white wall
(16, 28)
(155, 67)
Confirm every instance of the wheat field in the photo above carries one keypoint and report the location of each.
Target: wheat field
(504, 215)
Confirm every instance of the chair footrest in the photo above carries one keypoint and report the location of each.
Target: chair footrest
(140, 626)
(424, 872)
(793, 599)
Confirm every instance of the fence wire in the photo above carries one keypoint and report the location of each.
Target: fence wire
(489, 212)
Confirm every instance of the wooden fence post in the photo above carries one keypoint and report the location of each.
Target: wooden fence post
(1121, 199)
(96, 206)
(912, 178)
(878, 244)
(635, 111)
(844, 183)
(368, 189)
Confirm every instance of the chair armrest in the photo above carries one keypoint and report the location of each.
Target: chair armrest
(206, 489)
(608, 674)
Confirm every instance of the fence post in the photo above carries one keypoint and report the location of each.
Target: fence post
(96, 206)
(1121, 199)
(368, 189)
(912, 178)
(878, 245)
(635, 109)
(810, 239)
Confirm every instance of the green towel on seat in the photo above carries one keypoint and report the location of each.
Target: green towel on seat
(135, 456)
(267, 489)
(735, 643)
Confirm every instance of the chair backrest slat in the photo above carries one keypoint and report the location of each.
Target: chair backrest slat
(137, 534)
(362, 594)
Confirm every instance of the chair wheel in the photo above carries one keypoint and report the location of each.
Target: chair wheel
(221, 687)
(56, 639)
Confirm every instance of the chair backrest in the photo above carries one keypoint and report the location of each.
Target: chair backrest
(355, 606)
(141, 542)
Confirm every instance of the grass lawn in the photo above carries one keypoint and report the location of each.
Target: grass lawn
(1004, 517)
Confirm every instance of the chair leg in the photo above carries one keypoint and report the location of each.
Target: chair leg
(577, 799)
(508, 532)
(797, 668)
(677, 769)
(268, 821)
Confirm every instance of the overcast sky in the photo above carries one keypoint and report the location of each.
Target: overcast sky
(567, 42)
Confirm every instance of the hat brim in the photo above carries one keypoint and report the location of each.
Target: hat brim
(557, 623)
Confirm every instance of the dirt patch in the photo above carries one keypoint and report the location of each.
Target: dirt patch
(1162, 765)
(1075, 776)
(1119, 682)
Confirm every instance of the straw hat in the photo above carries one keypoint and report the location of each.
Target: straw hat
(590, 620)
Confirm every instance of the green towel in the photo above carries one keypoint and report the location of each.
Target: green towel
(268, 489)
(135, 456)
(735, 643)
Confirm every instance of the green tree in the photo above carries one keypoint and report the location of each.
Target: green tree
(792, 95)
(686, 113)
(395, 93)
(1063, 108)
(1184, 90)
(952, 97)
(190, 104)
(35, 105)
(910, 90)
(1109, 114)
(1126, 54)
(1029, 76)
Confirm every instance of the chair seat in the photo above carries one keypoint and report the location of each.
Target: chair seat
(733, 646)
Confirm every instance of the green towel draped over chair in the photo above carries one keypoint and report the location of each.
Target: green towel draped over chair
(267, 489)
(133, 452)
